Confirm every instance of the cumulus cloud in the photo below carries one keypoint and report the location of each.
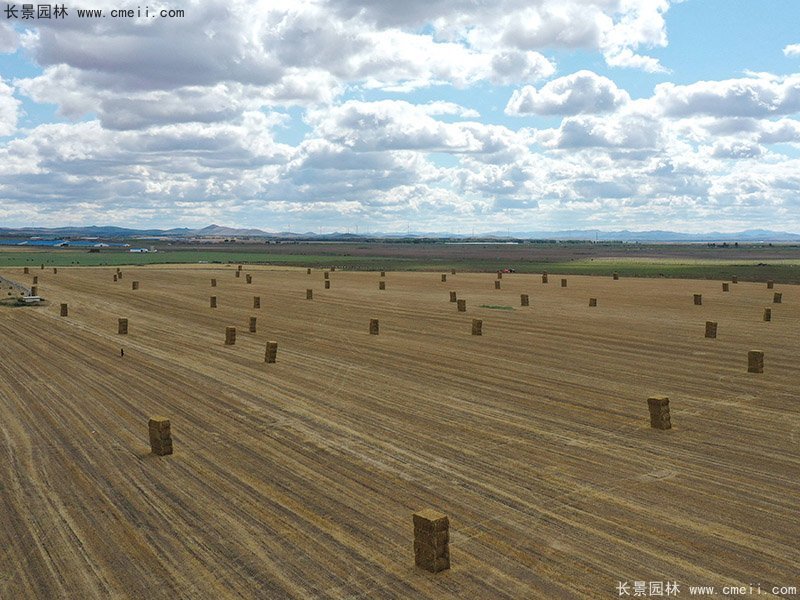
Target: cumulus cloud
(757, 97)
(400, 125)
(736, 149)
(515, 66)
(183, 117)
(9, 109)
(630, 131)
(581, 92)
(8, 38)
(792, 50)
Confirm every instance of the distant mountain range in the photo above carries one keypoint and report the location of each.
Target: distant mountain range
(218, 231)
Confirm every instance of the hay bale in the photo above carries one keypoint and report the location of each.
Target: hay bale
(160, 436)
(563, 283)
(452, 271)
(462, 305)
(237, 273)
(711, 329)
(755, 361)
(119, 274)
(239, 268)
(499, 274)
(383, 273)
(544, 277)
(26, 271)
(230, 336)
(497, 284)
(726, 287)
(477, 327)
(34, 290)
(249, 278)
(333, 268)
(659, 412)
(524, 300)
(55, 271)
(381, 285)
(768, 314)
(453, 297)
(373, 326)
(213, 302)
(698, 299)
(615, 276)
(122, 326)
(308, 271)
(444, 278)
(327, 284)
(770, 284)
(271, 352)
(35, 279)
(64, 310)
(592, 301)
(326, 275)
(734, 279)
(431, 540)
(253, 324)
(213, 282)
(309, 294)
(777, 297)
(134, 285)
(256, 301)
(115, 278)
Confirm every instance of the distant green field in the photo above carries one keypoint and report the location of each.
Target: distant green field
(784, 271)
(62, 258)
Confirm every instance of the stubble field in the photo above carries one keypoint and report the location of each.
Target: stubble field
(298, 479)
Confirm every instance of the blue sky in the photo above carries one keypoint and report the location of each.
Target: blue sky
(433, 115)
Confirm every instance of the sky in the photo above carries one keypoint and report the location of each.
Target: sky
(422, 115)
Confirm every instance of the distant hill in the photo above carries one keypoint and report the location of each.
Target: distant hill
(217, 231)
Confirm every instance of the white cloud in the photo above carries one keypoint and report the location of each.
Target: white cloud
(9, 40)
(400, 125)
(189, 129)
(629, 131)
(792, 50)
(583, 92)
(515, 66)
(736, 149)
(757, 97)
(9, 109)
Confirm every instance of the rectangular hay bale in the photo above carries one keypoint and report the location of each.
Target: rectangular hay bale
(271, 352)
(659, 412)
(755, 361)
(711, 329)
(160, 433)
(431, 540)
(477, 327)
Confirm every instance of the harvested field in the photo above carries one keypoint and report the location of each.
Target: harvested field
(299, 479)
